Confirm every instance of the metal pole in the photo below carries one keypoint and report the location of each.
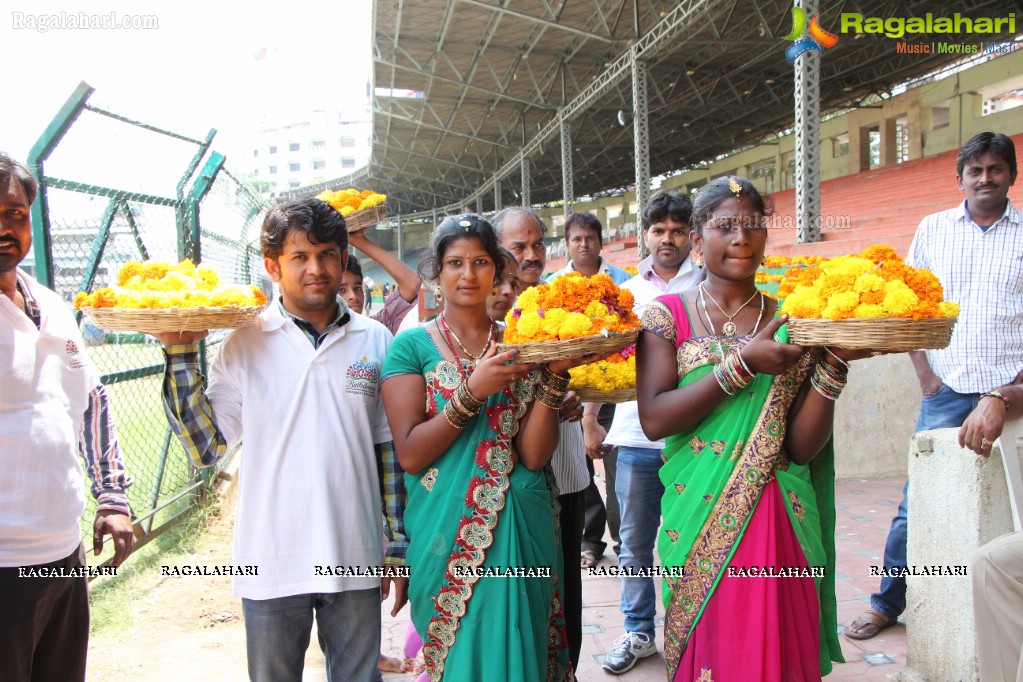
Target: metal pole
(641, 144)
(401, 236)
(497, 195)
(41, 150)
(566, 163)
(807, 152)
(526, 182)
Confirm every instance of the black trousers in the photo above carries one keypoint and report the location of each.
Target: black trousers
(44, 623)
(573, 506)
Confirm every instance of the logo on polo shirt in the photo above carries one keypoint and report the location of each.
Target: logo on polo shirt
(74, 359)
(363, 377)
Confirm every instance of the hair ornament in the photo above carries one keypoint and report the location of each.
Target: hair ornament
(733, 186)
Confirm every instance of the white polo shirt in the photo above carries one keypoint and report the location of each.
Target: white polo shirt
(309, 493)
(625, 430)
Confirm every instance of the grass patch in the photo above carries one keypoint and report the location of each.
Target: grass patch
(113, 599)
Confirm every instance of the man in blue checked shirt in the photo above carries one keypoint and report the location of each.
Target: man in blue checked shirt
(300, 389)
(52, 409)
(974, 250)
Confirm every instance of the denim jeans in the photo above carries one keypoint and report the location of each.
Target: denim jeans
(940, 410)
(639, 492)
(348, 627)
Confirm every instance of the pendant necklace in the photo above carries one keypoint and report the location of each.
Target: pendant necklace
(728, 328)
(450, 334)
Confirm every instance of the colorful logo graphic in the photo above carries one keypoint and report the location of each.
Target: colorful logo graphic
(807, 37)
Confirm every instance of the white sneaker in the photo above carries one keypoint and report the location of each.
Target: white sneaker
(628, 649)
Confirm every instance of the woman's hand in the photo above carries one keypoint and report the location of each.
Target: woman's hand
(496, 372)
(764, 355)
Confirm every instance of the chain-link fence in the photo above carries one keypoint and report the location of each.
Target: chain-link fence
(152, 194)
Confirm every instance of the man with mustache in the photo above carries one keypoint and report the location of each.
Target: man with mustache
(668, 269)
(522, 232)
(52, 408)
(974, 250)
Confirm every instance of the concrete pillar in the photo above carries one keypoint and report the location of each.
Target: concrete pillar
(889, 142)
(958, 502)
(915, 131)
(859, 148)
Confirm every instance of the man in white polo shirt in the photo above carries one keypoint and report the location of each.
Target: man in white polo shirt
(667, 270)
(52, 408)
(301, 390)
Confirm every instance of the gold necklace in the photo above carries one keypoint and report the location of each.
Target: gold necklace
(728, 328)
(473, 358)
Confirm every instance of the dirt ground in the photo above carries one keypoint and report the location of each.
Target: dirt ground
(191, 627)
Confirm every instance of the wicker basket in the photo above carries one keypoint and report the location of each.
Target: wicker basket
(158, 320)
(546, 351)
(894, 335)
(367, 217)
(592, 394)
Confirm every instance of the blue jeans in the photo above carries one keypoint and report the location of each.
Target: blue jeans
(348, 627)
(639, 491)
(940, 410)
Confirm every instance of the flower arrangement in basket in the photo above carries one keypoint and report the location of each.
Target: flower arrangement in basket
(154, 297)
(572, 316)
(361, 209)
(612, 380)
(870, 300)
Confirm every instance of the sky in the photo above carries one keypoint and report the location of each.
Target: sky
(205, 66)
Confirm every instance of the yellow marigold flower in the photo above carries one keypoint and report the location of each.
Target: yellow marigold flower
(81, 300)
(948, 309)
(899, 300)
(207, 277)
(132, 268)
(154, 269)
(802, 303)
(841, 305)
(868, 310)
(575, 325)
(595, 309)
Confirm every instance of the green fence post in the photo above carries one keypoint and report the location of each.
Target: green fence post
(200, 188)
(41, 151)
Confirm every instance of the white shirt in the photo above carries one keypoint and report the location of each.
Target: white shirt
(309, 491)
(45, 381)
(625, 430)
(982, 271)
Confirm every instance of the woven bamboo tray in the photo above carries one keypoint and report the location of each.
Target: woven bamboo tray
(367, 217)
(158, 320)
(546, 351)
(894, 335)
(592, 394)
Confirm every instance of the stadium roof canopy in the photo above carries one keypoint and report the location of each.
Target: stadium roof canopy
(465, 88)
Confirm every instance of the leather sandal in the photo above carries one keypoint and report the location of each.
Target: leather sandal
(868, 625)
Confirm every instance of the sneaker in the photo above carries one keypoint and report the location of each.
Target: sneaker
(628, 649)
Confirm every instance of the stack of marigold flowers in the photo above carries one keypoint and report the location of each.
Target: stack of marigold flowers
(876, 283)
(574, 306)
(570, 307)
(348, 201)
(610, 374)
(155, 284)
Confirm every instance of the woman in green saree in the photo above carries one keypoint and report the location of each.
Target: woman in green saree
(748, 512)
(474, 432)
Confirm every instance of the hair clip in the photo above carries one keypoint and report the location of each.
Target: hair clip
(734, 186)
(465, 223)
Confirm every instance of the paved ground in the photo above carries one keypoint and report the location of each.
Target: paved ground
(865, 508)
(194, 624)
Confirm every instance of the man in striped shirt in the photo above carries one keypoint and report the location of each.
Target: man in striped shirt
(976, 251)
(52, 409)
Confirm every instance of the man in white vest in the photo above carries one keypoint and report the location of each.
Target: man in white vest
(52, 409)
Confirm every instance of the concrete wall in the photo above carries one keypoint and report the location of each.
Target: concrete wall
(875, 417)
(958, 501)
